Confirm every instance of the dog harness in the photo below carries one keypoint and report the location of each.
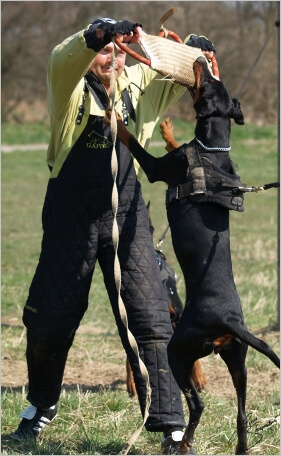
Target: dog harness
(206, 182)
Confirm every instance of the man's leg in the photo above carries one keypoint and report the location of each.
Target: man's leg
(149, 320)
(57, 301)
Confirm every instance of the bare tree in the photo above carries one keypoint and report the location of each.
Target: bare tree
(30, 30)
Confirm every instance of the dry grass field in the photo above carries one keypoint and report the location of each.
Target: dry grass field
(96, 416)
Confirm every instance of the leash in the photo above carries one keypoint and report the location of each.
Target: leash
(260, 188)
(183, 190)
(161, 239)
(276, 24)
(117, 269)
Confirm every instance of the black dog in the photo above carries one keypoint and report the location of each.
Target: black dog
(169, 280)
(202, 187)
(175, 306)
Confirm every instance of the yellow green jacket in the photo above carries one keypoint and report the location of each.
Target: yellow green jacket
(67, 65)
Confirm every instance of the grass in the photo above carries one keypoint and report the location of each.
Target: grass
(30, 133)
(98, 417)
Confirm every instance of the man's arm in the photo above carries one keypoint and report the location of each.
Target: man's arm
(70, 60)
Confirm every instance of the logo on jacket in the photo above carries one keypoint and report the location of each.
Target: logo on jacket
(98, 141)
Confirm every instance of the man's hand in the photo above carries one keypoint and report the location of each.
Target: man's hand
(102, 32)
(126, 31)
(132, 36)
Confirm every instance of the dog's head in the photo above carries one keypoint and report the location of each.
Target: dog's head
(211, 97)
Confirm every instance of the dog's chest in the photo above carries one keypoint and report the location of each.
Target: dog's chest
(174, 167)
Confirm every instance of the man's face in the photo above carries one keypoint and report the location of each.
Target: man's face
(102, 63)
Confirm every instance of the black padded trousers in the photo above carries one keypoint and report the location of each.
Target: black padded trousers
(77, 225)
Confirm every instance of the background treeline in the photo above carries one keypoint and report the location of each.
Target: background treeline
(239, 30)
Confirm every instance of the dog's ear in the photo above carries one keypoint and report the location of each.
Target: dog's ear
(237, 112)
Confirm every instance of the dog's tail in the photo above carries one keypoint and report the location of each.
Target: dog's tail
(242, 333)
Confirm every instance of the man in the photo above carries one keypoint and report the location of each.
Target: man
(77, 222)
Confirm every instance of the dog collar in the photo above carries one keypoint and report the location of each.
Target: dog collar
(223, 149)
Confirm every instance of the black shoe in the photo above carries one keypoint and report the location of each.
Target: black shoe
(33, 421)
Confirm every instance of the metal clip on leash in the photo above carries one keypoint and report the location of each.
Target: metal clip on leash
(161, 239)
(258, 189)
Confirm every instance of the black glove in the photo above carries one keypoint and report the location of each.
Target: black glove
(125, 27)
(110, 29)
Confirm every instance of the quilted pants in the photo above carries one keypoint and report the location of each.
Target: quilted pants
(77, 223)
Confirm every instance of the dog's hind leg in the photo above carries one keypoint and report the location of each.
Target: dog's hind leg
(131, 387)
(181, 366)
(235, 361)
(195, 407)
(198, 376)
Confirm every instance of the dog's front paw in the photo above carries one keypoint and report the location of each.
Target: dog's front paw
(167, 129)
(167, 132)
(186, 447)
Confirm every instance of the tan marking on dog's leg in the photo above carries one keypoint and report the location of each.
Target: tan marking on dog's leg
(197, 68)
(131, 387)
(226, 339)
(198, 376)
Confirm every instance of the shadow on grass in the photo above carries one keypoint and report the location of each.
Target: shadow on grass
(113, 386)
(56, 447)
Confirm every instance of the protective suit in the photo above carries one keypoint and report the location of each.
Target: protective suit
(77, 223)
